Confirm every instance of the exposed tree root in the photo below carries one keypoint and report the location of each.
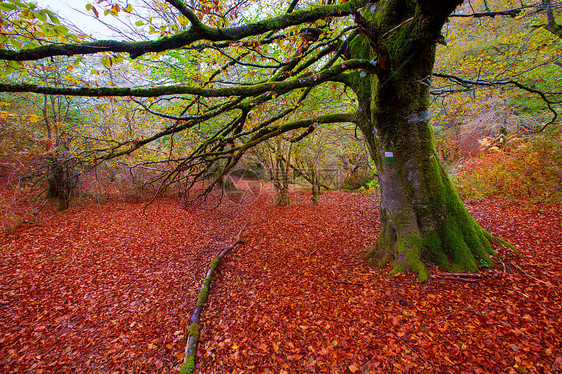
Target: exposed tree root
(193, 331)
(454, 241)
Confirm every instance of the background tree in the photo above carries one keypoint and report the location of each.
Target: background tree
(310, 160)
(53, 132)
(275, 156)
(255, 73)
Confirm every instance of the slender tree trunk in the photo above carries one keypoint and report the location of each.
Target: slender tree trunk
(281, 181)
(422, 216)
(315, 185)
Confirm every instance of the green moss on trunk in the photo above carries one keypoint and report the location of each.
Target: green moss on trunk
(422, 216)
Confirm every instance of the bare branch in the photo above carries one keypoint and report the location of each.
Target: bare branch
(478, 82)
(188, 13)
(509, 12)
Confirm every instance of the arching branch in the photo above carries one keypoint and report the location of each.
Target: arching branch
(279, 87)
(196, 32)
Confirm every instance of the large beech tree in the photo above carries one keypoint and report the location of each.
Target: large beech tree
(258, 82)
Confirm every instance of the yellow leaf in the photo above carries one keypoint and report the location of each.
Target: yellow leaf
(352, 368)
(152, 346)
(106, 61)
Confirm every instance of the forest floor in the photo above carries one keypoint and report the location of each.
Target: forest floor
(109, 288)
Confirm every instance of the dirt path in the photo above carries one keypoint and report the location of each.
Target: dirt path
(108, 288)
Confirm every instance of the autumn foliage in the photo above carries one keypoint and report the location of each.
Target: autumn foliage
(531, 172)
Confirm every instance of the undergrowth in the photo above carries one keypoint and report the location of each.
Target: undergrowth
(532, 172)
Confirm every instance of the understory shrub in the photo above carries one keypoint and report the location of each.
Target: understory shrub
(532, 172)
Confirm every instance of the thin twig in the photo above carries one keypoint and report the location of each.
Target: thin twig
(467, 275)
(345, 282)
(460, 279)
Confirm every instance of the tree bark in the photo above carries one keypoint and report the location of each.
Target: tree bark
(422, 216)
(281, 174)
(315, 185)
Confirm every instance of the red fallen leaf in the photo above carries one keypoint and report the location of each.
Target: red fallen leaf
(113, 255)
(557, 365)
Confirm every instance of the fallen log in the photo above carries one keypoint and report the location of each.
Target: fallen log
(194, 329)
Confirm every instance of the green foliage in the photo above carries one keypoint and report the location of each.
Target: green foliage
(24, 26)
(373, 185)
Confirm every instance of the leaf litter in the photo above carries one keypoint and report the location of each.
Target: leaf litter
(109, 289)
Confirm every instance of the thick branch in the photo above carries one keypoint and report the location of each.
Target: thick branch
(374, 35)
(279, 87)
(195, 33)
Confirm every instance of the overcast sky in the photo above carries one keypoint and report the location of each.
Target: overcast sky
(72, 10)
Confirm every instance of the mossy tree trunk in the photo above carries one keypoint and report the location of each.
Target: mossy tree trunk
(422, 216)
